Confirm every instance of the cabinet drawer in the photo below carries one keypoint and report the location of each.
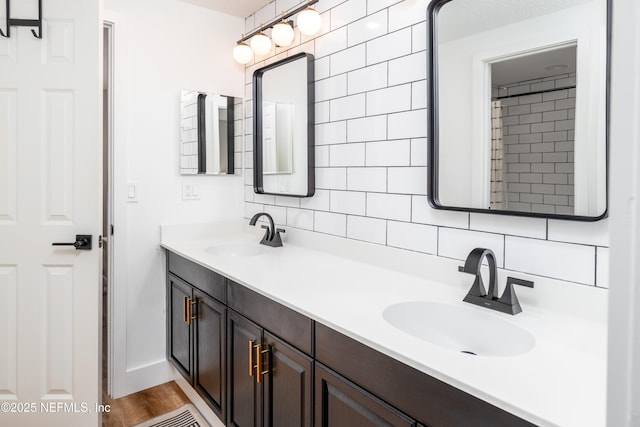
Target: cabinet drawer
(425, 398)
(287, 324)
(202, 278)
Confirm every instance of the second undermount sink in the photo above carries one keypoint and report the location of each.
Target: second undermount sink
(461, 329)
(237, 249)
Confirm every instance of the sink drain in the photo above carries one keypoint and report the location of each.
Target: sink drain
(468, 352)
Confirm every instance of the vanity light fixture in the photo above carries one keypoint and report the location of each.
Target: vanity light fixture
(309, 23)
(261, 43)
(242, 53)
(282, 33)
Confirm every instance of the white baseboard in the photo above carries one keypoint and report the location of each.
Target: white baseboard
(197, 401)
(147, 376)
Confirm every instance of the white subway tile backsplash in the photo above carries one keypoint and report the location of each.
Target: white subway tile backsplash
(349, 202)
(419, 37)
(331, 42)
(366, 79)
(367, 229)
(278, 213)
(419, 95)
(292, 202)
(250, 209)
(319, 201)
(388, 47)
(390, 206)
(454, 243)
(367, 179)
(409, 180)
(514, 225)
(367, 129)
(389, 100)
(347, 12)
(409, 68)
(330, 223)
(347, 155)
(575, 263)
(376, 5)
(415, 237)
(349, 107)
(331, 133)
(322, 156)
(265, 199)
(419, 152)
(348, 60)
(602, 267)
(265, 14)
(371, 150)
(410, 124)
(367, 28)
(422, 213)
(322, 68)
(586, 233)
(331, 178)
(388, 153)
(331, 88)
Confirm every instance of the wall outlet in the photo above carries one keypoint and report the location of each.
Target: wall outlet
(190, 191)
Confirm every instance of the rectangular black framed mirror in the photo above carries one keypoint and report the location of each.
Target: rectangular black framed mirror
(207, 131)
(283, 127)
(519, 107)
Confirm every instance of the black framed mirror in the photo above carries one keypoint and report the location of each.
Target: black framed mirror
(519, 106)
(283, 127)
(207, 133)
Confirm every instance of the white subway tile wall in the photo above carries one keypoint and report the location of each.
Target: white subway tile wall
(371, 150)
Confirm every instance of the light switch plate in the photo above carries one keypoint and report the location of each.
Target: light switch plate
(190, 191)
(132, 192)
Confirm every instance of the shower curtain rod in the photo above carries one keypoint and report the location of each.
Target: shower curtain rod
(534, 93)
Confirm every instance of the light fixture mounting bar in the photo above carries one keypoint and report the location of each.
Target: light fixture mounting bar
(270, 24)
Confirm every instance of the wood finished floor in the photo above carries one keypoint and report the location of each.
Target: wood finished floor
(144, 405)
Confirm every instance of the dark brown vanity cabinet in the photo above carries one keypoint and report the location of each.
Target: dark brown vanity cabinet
(341, 403)
(260, 364)
(196, 338)
(270, 381)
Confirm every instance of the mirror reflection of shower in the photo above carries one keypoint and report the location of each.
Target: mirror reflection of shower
(277, 134)
(533, 108)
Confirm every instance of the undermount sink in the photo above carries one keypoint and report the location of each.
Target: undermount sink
(466, 330)
(243, 249)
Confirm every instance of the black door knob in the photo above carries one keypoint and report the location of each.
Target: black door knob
(82, 243)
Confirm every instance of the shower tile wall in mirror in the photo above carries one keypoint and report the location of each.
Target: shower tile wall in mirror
(518, 96)
(208, 125)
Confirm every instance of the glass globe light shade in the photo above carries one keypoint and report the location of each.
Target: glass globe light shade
(261, 44)
(242, 53)
(309, 22)
(282, 34)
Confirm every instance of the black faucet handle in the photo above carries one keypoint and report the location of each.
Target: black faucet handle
(280, 230)
(461, 269)
(509, 295)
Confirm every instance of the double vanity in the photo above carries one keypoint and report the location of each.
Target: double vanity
(304, 334)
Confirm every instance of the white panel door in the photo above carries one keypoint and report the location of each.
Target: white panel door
(50, 190)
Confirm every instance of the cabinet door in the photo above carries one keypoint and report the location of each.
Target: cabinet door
(179, 332)
(340, 403)
(287, 385)
(244, 392)
(208, 350)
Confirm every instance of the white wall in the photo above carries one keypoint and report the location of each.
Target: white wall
(624, 303)
(371, 174)
(162, 46)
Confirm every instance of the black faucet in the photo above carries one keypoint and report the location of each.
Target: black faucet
(272, 235)
(508, 302)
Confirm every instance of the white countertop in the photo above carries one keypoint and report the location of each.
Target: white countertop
(560, 382)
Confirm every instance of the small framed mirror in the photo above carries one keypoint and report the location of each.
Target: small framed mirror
(283, 127)
(207, 129)
(518, 107)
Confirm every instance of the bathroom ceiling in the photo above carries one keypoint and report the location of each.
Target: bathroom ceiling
(239, 8)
